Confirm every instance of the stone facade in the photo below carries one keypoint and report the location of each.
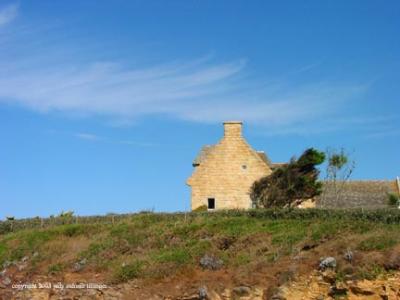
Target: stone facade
(224, 172)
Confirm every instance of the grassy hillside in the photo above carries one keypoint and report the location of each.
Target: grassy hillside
(249, 246)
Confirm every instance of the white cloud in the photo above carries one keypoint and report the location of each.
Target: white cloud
(198, 90)
(8, 13)
(108, 89)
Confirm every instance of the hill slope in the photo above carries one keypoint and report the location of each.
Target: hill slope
(262, 254)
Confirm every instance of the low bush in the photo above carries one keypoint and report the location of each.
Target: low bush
(5, 227)
(128, 271)
(393, 199)
(71, 230)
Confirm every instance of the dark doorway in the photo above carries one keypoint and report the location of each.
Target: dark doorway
(211, 203)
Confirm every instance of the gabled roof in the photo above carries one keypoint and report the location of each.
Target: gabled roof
(207, 149)
(264, 157)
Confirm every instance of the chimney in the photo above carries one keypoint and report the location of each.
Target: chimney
(233, 129)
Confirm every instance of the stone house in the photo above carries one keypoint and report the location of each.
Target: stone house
(223, 173)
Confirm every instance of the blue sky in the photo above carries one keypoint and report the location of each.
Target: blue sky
(104, 105)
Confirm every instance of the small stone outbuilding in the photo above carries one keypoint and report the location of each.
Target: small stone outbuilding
(223, 173)
(368, 194)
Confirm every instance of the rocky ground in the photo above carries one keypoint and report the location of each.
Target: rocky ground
(315, 286)
(319, 284)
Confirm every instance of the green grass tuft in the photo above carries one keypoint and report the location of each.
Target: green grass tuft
(128, 272)
(55, 269)
(380, 242)
(176, 256)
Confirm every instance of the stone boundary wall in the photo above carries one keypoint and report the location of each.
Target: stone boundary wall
(358, 194)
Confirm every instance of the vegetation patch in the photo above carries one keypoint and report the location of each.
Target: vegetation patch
(128, 271)
(370, 272)
(55, 269)
(96, 248)
(379, 242)
(72, 230)
(176, 256)
(3, 252)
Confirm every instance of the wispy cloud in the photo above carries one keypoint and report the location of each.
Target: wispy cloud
(90, 137)
(109, 89)
(363, 126)
(87, 136)
(198, 90)
(382, 133)
(8, 13)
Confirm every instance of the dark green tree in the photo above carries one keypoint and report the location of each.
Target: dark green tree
(290, 184)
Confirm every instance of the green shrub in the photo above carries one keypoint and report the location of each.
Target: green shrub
(5, 227)
(128, 271)
(71, 230)
(393, 199)
(36, 238)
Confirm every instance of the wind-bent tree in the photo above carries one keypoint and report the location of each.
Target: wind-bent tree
(290, 184)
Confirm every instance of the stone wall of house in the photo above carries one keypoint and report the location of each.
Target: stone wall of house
(358, 194)
(228, 172)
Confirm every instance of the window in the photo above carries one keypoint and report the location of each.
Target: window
(211, 203)
(244, 167)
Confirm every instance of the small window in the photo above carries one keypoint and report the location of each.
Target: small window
(211, 203)
(244, 167)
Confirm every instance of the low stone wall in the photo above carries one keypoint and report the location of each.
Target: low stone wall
(358, 194)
